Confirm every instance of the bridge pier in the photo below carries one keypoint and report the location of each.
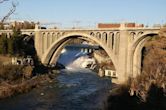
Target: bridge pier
(38, 43)
(122, 57)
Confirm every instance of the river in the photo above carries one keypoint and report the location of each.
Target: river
(72, 89)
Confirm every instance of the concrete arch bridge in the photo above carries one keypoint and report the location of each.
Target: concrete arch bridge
(123, 45)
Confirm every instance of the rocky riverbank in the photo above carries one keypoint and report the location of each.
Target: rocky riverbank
(8, 89)
(16, 79)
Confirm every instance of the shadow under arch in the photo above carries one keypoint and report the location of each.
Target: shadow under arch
(27, 37)
(135, 53)
(54, 49)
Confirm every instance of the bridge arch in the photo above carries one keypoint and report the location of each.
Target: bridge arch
(58, 44)
(135, 53)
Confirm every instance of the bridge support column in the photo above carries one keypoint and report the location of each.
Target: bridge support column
(122, 57)
(38, 43)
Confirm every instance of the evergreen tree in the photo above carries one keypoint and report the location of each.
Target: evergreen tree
(16, 45)
(3, 44)
(16, 41)
(10, 46)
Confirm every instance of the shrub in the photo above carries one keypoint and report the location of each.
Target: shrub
(28, 71)
(10, 72)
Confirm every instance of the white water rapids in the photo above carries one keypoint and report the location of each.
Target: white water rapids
(73, 58)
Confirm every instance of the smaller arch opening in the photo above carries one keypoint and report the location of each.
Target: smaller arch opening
(92, 34)
(140, 33)
(58, 34)
(104, 36)
(132, 36)
(113, 41)
(63, 33)
(98, 35)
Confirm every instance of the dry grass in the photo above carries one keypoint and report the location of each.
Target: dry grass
(5, 59)
(16, 79)
(10, 72)
(7, 89)
(27, 71)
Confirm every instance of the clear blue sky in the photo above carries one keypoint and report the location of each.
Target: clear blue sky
(89, 12)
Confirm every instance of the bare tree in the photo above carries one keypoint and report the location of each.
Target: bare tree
(11, 11)
(1, 1)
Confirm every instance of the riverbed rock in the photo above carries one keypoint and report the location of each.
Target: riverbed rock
(42, 94)
(101, 73)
